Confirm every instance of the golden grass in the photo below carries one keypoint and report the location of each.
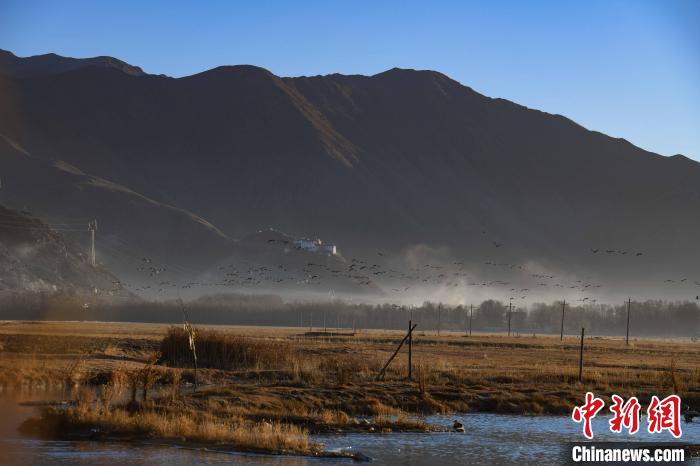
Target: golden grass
(232, 431)
(220, 351)
(280, 372)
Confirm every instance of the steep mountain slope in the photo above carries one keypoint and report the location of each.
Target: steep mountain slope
(530, 179)
(131, 227)
(390, 161)
(33, 257)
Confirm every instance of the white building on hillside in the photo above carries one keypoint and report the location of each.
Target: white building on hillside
(316, 246)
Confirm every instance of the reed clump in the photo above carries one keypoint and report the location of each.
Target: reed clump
(216, 350)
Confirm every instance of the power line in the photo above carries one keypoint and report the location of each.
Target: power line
(50, 225)
(14, 227)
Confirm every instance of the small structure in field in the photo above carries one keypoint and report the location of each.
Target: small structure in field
(315, 246)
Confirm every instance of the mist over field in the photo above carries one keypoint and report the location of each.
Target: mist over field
(397, 189)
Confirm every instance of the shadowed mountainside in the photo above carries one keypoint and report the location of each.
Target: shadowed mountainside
(383, 162)
(140, 239)
(33, 257)
(131, 227)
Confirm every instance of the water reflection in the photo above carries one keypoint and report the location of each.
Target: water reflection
(492, 439)
(489, 439)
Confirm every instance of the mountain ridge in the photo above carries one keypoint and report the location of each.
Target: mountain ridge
(384, 162)
(51, 63)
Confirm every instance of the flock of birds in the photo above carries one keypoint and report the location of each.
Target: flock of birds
(320, 272)
(332, 273)
(616, 251)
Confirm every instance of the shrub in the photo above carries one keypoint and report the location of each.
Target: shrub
(216, 350)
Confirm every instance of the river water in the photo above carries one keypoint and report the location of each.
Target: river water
(489, 439)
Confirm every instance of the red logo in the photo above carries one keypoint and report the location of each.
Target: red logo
(661, 414)
(587, 412)
(665, 415)
(625, 415)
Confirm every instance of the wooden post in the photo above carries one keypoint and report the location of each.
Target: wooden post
(510, 313)
(410, 351)
(192, 337)
(563, 306)
(627, 336)
(195, 372)
(439, 310)
(381, 373)
(466, 325)
(580, 358)
(471, 314)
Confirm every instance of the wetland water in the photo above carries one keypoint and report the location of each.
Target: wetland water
(489, 439)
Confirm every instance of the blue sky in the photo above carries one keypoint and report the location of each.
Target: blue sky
(626, 68)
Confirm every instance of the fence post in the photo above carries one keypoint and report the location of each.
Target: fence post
(580, 358)
(410, 351)
(471, 313)
(627, 336)
(380, 376)
(510, 313)
(563, 307)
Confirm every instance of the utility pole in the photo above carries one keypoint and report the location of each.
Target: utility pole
(92, 227)
(471, 314)
(410, 351)
(580, 358)
(331, 298)
(627, 337)
(439, 322)
(510, 313)
(563, 306)
(466, 324)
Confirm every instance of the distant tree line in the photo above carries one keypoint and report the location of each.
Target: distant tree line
(647, 318)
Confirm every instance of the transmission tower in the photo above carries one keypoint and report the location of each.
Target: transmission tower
(92, 227)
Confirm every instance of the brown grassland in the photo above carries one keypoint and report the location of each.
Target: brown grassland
(266, 389)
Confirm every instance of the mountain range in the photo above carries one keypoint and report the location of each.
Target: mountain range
(408, 164)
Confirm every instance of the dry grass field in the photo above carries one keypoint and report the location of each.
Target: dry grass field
(275, 385)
